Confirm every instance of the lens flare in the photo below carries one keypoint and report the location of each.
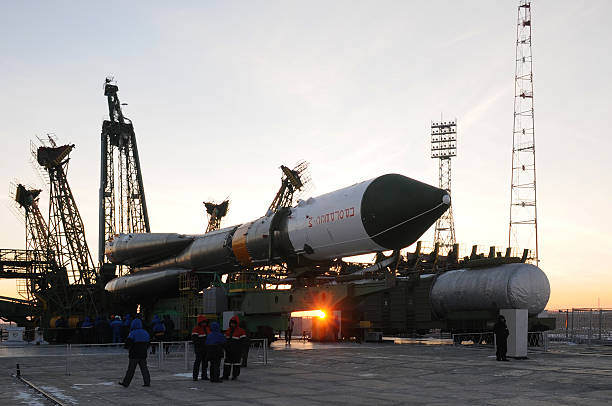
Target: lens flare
(310, 313)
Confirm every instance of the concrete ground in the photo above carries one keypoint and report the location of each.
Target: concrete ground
(318, 374)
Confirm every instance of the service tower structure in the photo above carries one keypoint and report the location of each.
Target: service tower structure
(128, 214)
(523, 227)
(443, 148)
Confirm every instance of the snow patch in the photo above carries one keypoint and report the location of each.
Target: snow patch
(185, 375)
(29, 399)
(58, 393)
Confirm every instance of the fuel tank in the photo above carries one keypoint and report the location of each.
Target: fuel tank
(508, 286)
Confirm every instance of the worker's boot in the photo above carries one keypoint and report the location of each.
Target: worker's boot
(226, 371)
(235, 372)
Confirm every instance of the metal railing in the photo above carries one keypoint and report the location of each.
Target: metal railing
(536, 340)
(486, 338)
(582, 326)
(163, 354)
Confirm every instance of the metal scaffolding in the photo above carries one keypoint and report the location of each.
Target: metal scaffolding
(65, 223)
(292, 181)
(215, 212)
(130, 214)
(443, 148)
(523, 227)
(45, 279)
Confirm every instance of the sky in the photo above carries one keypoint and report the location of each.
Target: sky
(222, 93)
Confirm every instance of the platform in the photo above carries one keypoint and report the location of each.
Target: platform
(323, 374)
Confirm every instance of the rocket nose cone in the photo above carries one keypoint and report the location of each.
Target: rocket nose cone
(446, 199)
(396, 210)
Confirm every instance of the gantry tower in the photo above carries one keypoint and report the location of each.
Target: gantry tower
(127, 212)
(443, 148)
(45, 280)
(292, 181)
(523, 229)
(215, 212)
(66, 228)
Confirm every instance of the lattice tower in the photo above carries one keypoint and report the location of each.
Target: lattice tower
(123, 206)
(523, 228)
(292, 181)
(45, 280)
(65, 223)
(215, 212)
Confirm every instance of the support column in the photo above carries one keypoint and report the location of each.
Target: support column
(516, 320)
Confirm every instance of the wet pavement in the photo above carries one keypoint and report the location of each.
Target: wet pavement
(318, 374)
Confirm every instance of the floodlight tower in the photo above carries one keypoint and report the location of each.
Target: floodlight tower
(523, 229)
(443, 148)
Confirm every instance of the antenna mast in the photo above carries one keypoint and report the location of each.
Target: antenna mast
(523, 230)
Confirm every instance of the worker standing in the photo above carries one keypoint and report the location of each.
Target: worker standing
(198, 337)
(246, 344)
(159, 331)
(289, 331)
(138, 343)
(125, 327)
(214, 351)
(116, 327)
(169, 325)
(501, 336)
(87, 330)
(233, 349)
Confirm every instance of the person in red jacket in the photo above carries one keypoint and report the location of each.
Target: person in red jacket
(198, 337)
(233, 351)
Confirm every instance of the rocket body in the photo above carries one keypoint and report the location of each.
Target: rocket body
(384, 213)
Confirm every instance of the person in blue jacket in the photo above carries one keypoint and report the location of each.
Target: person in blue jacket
(138, 344)
(125, 327)
(215, 341)
(98, 331)
(159, 331)
(116, 327)
(87, 330)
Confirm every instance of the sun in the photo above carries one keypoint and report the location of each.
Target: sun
(310, 313)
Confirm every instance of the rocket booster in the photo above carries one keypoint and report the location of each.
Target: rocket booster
(385, 213)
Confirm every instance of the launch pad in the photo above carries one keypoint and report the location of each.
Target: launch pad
(290, 259)
(313, 374)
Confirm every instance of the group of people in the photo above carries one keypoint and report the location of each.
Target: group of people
(211, 345)
(113, 329)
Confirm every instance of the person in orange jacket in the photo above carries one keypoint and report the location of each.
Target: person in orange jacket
(233, 350)
(198, 337)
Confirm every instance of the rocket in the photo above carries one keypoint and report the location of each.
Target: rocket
(385, 213)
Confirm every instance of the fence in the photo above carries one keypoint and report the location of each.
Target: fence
(163, 355)
(165, 352)
(536, 340)
(582, 326)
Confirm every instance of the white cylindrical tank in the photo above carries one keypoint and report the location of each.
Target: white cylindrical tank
(508, 286)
